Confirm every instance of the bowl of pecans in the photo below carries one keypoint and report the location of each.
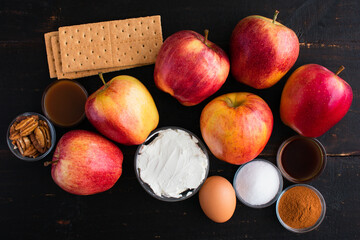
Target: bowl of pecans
(31, 136)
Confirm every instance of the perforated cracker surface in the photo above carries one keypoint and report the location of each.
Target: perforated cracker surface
(110, 44)
(73, 75)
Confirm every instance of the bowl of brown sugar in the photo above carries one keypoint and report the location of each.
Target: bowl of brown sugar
(300, 208)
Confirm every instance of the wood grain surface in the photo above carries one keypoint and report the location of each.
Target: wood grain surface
(32, 206)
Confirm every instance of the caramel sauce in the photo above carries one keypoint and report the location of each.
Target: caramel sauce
(64, 102)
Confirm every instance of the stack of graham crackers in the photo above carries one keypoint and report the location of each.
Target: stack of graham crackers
(85, 50)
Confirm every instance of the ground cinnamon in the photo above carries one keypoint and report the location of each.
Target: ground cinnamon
(299, 207)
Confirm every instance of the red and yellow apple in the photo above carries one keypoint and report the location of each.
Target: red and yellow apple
(190, 67)
(262, 51)
(86, 163)
(236, 126)
(123, 110)
(314, 99)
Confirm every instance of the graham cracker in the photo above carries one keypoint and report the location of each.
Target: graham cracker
(73, 75)
(110, 44)
(49, 53)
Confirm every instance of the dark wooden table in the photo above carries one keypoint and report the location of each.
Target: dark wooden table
(32, 206)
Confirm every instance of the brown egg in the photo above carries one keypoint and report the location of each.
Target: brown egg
(217, 199)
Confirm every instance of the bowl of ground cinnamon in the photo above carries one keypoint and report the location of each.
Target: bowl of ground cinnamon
(300, 208)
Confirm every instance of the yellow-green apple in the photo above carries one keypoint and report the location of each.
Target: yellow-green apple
(86, 163)
(236, 126)
(190, 68)
(314, 99)
(262, 51)
(123, 110)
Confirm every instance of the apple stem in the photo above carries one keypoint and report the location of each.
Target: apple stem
(102, 78)
(206, 32)
(50, 162)
(229, 102)
(275, 15)
(341, 68)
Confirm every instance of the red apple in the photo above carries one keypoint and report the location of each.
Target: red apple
(314, 99)
(236, 126)
(262, 51)
(123, 110)
(86, 163)
(190, 67)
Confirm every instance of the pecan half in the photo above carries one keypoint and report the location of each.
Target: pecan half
(40, 137)
(15, 135)
(46, 132)
(30, 152)
(18, 144)
(12, 129)
(27, 142)
(36, 144)
(43, 123)
(24, 123)
(19, 119)
(22, 143)
(29, 128)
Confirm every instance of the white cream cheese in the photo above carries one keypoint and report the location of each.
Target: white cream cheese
(172, 163)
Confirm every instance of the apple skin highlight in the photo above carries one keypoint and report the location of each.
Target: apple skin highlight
(313, 100)
(262, 52)
(189, 69)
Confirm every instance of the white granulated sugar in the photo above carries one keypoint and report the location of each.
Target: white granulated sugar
(257, 182)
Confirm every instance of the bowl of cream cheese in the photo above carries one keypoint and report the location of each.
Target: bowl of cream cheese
(172, 164)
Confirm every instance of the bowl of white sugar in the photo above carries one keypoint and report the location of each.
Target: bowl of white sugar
(258, 183)
(172, 164)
